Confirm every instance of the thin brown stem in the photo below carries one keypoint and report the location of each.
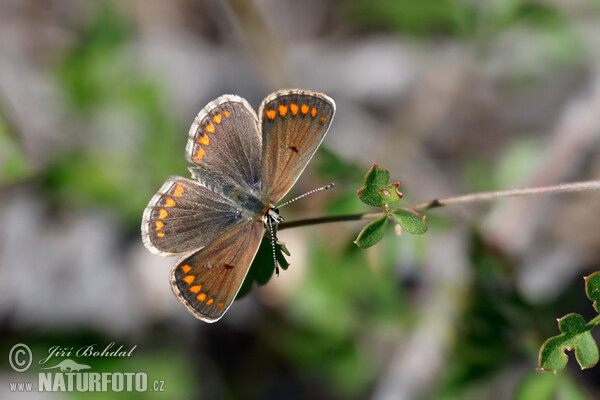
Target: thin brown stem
(446, 201)
(485, 196)
(326, 220)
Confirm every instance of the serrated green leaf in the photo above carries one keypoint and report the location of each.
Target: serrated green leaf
(592, 289)
(372, 233)
(376, 192)
(410, 221)
(576, 335)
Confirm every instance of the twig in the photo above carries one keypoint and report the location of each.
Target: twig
(326, 220)
(446, 201)
(484, 196)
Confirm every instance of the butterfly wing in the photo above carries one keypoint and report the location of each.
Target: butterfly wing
(225, 143)
(184, 216)
(207, 281)
(294, 123)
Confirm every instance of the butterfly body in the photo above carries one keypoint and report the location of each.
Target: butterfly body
(243, 164)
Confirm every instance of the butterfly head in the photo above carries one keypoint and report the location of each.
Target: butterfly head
(273, 216)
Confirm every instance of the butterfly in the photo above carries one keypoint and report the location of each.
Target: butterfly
(243, 164)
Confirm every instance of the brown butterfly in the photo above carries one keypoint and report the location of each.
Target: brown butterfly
(243, 165)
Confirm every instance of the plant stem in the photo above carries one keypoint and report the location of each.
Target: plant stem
(446, 201)
(325, 220)
(484, 196)
(594, 322)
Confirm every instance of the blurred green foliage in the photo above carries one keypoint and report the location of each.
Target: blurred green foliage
(451, 17)
(14, 167)
(99, 75)
(343, 308)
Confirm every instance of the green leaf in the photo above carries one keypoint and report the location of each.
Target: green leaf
(262, 267)
(372, 233)
(410, 221)
(592, 289)
(377, 192)
(576, 335)
(14, 166)
(549, 387)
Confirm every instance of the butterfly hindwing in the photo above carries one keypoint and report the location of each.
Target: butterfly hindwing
(184, 216)
(224, 142)
(207, 281)
(293, 123)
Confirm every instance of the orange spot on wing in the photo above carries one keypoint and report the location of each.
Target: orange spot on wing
(217, 118)
(204, 139)
(294, 108)
(322, 120)
(271, 114)
(226, 113)
(210, 301)
(210, 128)
(313, 112)
(304, 108)
(160, 234)
(199, 154)
(170, 202)
(282, 110)
(195, 289)
(159, 225)
(162, 213)
(201, 296)
(186, 268)
(189, 279)
(178, 190)
(220, 305)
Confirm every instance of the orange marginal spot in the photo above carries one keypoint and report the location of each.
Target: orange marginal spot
(160, 234)
(282, 110)
(313, 112)
(159, 225)
(170, 202)
(210, 301)
(210, 128)
(220, 305)
(294, 108)
(186, 268)
(217, 118)
(189, 279)
(304, 108)
(204, 139)
(322, 120)
(195, 289)
(199, 154)
(226, 113)
(178, 190)
(162, 213)
(271, 114)
(201, 296)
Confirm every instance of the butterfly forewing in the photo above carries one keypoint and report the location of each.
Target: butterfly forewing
(207, 281)
(185, 216)
(224, 142)
(294, 123)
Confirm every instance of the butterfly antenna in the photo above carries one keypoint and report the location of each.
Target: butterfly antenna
(273, 246)
(326, 187)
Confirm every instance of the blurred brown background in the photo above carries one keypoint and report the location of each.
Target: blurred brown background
(451, 96)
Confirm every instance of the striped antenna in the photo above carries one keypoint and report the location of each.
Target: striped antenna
(326, 187)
